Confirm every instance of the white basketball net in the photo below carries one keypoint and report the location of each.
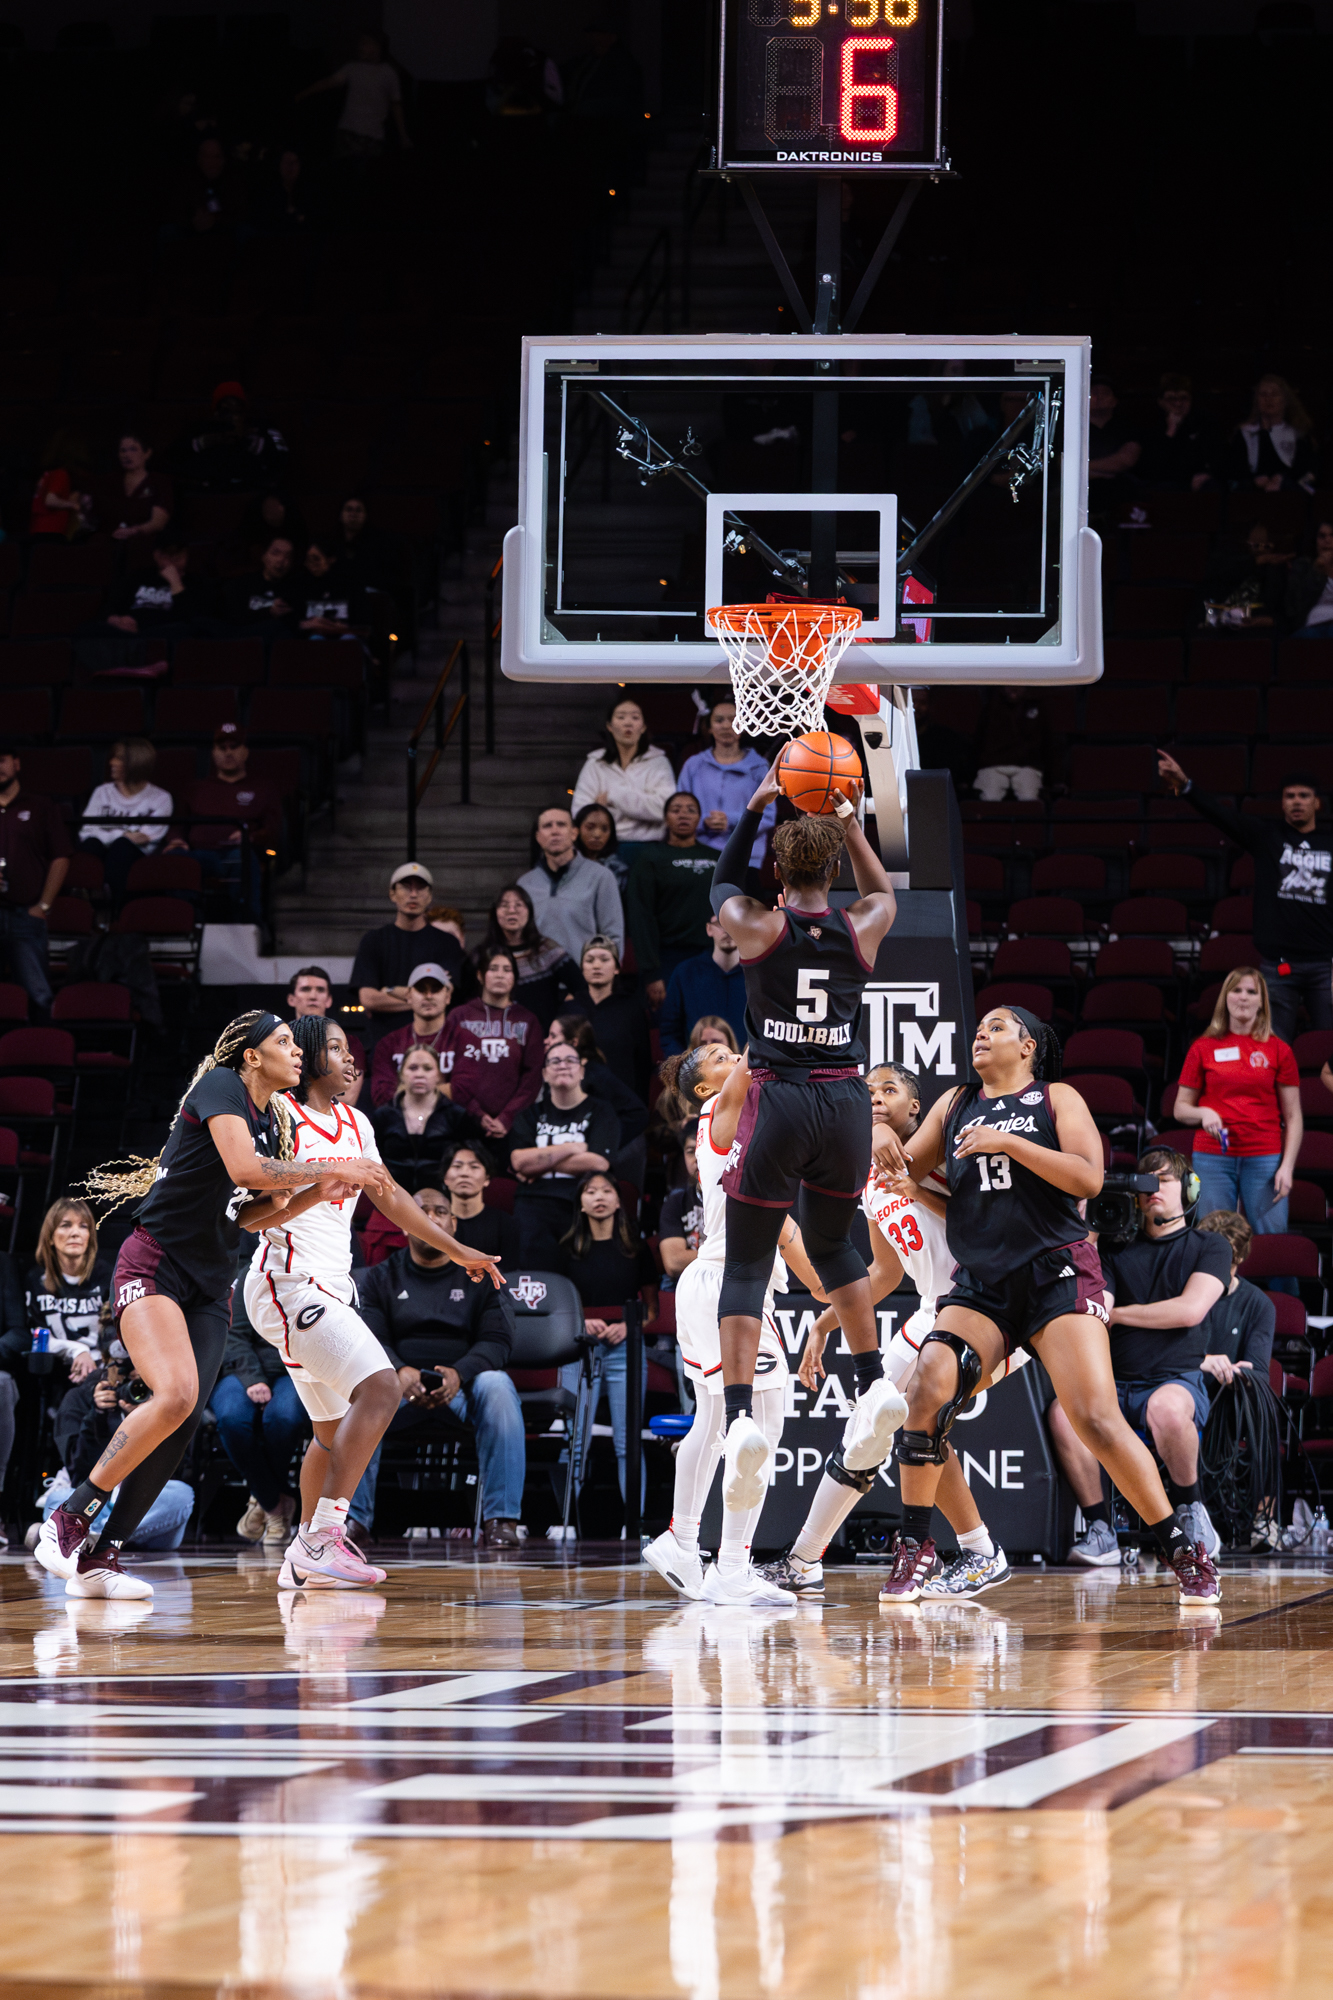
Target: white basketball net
(783, 658)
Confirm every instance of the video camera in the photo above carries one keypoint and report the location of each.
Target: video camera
(1114, 1213)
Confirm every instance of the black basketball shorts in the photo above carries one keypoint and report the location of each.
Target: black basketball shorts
(793, 1135)
(1068, 1280)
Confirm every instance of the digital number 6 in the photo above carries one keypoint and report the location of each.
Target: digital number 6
(878, 96)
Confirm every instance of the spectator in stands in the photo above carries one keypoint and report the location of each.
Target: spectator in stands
(430, 990)
(311, 992)
(233, 454)
(1240, 1326)
(1240, 1084)
(211, 199)
(417, 1127)
(941, 748)
(360, 545)
(492, 1048)
(1309, 604)
(62, 504)
(286, 205)
(230, 794)
(148, 498)
(1250, 571)
(572, 898)
(680, 1228)
(1016, 748)
(324, 598)
(157, 601)
(429, 1317)
(268, 514)
(565, 1134)
(712, 1028)
(263, 601)
(711, 983)
(667, 907)
(597, 840)
(387, 955)
(1293, 911)
(1165, 1284)
(467, 1175)
(445, 917)
(548, 977)
(34, 861)
(629, 1162)
(608, 1263)
(1113, 450)
(1274, 448)
(373, 96)
(617, 1017)
(1180, 450)
(723, 780)
(69, 1286)
(628, 774)
(260, 1420)
(118, 818)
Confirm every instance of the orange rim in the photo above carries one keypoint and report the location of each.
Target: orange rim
(832, 618)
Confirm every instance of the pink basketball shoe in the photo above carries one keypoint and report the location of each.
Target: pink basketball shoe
(329, 1562)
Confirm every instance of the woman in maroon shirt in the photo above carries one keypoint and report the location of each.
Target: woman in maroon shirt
(492, 1050)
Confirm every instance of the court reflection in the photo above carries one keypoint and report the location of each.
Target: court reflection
(300, 1903)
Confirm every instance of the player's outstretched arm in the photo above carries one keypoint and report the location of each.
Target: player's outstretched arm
(753, 925)
(727, 1106)
(250, 1169)
(1076, 1169)
(885, 1274)
(398, 1206)
(873, 916)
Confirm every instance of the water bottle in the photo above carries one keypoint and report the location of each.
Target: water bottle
(1319, 1534)
(41, 1340)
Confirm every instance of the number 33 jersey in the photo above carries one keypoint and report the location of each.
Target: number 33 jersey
(916, 1235)
(1001, 1214)
(318, 1244)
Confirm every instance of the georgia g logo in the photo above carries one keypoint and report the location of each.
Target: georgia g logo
(308, 1315)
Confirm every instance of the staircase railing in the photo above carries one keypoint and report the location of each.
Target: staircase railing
(664, 278)
(460, 719)
(494, 620)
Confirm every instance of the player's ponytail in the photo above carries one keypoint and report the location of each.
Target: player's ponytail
(808, 850)
(1046, 1060)
(311, 1035)
(680, 1074)
(131, 1179)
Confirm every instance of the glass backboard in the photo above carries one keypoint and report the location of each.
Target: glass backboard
(938, 484)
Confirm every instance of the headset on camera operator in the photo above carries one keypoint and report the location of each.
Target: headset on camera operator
(1165, 1277)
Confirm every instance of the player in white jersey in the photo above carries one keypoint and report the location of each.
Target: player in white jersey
(300, 1295)
(714, 1077)
(907, 1239)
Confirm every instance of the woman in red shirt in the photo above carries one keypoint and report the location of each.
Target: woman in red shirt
(1240, 1085)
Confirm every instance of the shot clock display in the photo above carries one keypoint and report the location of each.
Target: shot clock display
(831, 85)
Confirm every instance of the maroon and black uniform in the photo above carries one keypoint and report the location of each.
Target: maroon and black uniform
(1021, 1245)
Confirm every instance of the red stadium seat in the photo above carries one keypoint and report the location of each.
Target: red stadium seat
(1106, 1051)
(1033, 958)
(1150, 607)
(164, 875)
(1156, 661)
(49, 614)
(1167, 558)
(13, 1003)
(1314, 1162)
(1300, 711)
(1110, 710)
(983, 875)
(106, 712)
(1178, 1139)
(1273, 762)
(61, 774)
(1307, 1205)
(1281, 1256)
(1150, 916)
(1097, 768)
(1180, 874)
(1217, 711)
(1233, 916)
(59, 565)
(1242, 873)
(35, 663)
(1220, 955)
(71, 916)
(157, 916)
(1316, 1104)
(1308, 661)
(1107, 1097)
(1108, 1000)
(28, 713)
(194, 711)
(1045, 916)
(1017, 993)
(1239, 658)
(1055, 872)
(218, 663)
(1312, 1050)
(1216, 767)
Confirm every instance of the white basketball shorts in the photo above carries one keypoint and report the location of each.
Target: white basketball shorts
(697, 1292)
(326, 1346)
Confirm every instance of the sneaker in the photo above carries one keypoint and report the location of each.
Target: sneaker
(968, 1575)
(99, 1574)
(352, 1548)
(250, 1527)
(30, 1539)
(682, 1568)
(1196, 1575)
(746, 1586)
(914, 1563)
(62, 1536)
(790, 1573)
(327, 1563)
(278, 1524)
(1201, 1528)
(1097, 1546)
(746, 1458)
(868, 1433)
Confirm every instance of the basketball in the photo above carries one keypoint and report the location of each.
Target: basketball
(812, 767)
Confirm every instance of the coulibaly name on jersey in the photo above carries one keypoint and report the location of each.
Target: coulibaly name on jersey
(1014, 1124)
(796, 1031)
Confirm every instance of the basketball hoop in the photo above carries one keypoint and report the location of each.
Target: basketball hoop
(783, 658)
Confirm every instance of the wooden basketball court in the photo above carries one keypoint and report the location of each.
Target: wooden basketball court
(531, 1778)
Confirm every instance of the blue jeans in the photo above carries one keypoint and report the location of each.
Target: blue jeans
(489, 1402)
(1235, 1180)
(162, 1527)
(259, 1438)
(23, 941)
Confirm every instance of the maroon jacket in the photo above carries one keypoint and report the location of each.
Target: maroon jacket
(493, 1056)
(388, 1059)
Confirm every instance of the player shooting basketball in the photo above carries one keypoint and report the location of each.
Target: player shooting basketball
(805, 1124)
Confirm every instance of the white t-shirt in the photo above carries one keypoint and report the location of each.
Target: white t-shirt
(318, 1244)
(371, 89)
(152, 802)
(916, 1235)
(713, 1244)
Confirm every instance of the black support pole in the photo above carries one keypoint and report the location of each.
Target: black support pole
(633, 1424)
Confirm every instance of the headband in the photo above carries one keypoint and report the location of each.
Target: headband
(1030, 1021)
(261, 1031)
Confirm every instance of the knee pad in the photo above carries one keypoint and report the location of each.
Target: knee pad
(744, 1290)
(919, 1447)
(837, 1265)
(859, 1482)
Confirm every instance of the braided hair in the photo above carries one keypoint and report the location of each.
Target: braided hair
(311, 1035)
(1046, 1059)
(132, 1178)
(680, 1075)
(808, 849)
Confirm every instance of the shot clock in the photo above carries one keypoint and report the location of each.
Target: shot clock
(841, 86)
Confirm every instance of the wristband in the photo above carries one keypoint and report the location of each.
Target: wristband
(1187, 788)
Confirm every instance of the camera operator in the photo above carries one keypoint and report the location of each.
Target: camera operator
(1240, 1326)
(117, 1390)
(1163, 1278)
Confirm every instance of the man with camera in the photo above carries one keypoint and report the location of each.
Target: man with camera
(118, 1389)
(1164, 1276)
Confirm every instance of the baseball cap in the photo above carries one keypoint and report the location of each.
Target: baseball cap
(429, 971)
(229, 391)
(411, 871)
(230, 733)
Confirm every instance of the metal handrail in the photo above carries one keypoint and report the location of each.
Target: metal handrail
(460, 713)
(661, 290)
(676, 262)
(493, 625)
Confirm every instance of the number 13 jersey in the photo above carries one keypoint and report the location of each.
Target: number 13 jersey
(1001, 1214)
